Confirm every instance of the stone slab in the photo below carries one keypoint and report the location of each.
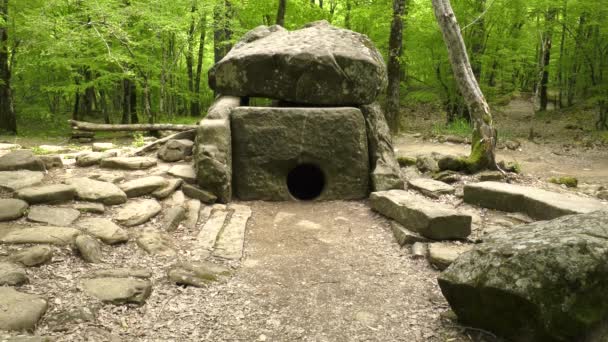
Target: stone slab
(40, 234)
(12, 209)
(54, 193)
(53, 216)
(431, 188)
(97, 191)
(230, 242)
(15, 180)
(128, 163)
(20, 311)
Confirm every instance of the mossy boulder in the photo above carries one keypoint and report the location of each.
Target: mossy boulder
(568, 181)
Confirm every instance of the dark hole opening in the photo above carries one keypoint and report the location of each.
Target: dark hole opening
(306, 182)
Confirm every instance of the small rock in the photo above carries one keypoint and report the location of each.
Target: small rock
(447, 176)
(495, 176)
(53, 216)
(12, 274)
(33, 256)
(89, 249)
(21, 160)
(512, 144)
(430, 187)
(38, 235)
(101, 147)
(20, 311)
(156, 243)
(419, 250)
(118, 290)
(442, 255)
(113, 178)
(15, 180)
(173, 217)
(454, 139)
(52, 161)
(603, 195)
(138, 212)
(12, 209)
(143, 186)
(171, 186)
(513, 167)
(104, 229)
(93, 158)
(63, 319)
(175, 150)
(94, 208)
(405, 236)
(196, 193)
(185, 172)
(128, 163)
(120, 273)
(55, 193)
(177, 199)
(97, 191)
(427, 163)
(198, 274)
(193, 208)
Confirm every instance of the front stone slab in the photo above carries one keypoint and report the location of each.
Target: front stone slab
(314, 147)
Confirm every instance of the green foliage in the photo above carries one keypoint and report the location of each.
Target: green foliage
(138, 140)
(459, 127)
(568, 181)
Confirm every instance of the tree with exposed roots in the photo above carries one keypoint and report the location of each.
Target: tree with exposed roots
(484, 135)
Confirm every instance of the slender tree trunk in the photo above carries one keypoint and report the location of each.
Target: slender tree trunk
(75, 114)
(281, 12)
(347, 15)
(190, 58)
(8, 120)
(560, 69)
(395, 47)
(199, 65)
(484, 135)
(104, 106)
(126, 101)
(546, 59)
(222, 32)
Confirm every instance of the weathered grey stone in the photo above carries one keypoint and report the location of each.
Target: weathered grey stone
(89, 249)
(104, 229)
(94, 208)
(419, 250)
(173, 217)
(193, 207)
(603, 195)
(196, 193)
(156, 243)
(12, 274)
(185, 172)
(213, 157)
(432, 220)
(41, 234)
(7, 146)
(447, 176)
(537, 203)
(386, 173)
(15, 180)
(62, 319)
(405, 236)
(167, 190)
(427, 163)
(319, 64)
(545, 281)
(110, 177)
(198, 274)
(101, 147)
(128, 163)
(269, 142)
(93, 158)
(442, 255)
(55, 193)
(175, 150)
(430, 187)
(20, 311)
(118, 290)
(21, 160)
(177, 199)
(33, 256)
(143, 186)
(12, 209)
(96, 191)
(53, 216)
(230, 241)
(491, 176)
(120, 273)
(137, 212)
(221, 107)
(208, 235)
(52, 161)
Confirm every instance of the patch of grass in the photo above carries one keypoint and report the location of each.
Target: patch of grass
(459, 127)
(138, 140)
(568, 181)
(37, 150)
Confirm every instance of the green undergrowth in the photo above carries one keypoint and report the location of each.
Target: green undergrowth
(458, 127)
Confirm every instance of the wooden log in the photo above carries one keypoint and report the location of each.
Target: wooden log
(87, 126)
(179, 135)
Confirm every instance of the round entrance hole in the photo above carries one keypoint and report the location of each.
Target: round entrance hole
(306, 182)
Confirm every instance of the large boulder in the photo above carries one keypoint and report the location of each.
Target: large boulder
(545, 281)
(316, 65)
(21, 160)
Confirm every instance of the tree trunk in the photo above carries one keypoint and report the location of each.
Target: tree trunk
(76, 108)
(190, 58)
(199, 65)
(133, 102)
(8, 120)
(394, 65)
(347, 15)
(222, 34)
(281, 12)
(546, 59)
(560, 69)
(484, 135)
(92, 127)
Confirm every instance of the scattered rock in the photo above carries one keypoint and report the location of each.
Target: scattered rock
(101, 147)
(20, 311)
(21, 160)
(113, 177)
(406, 161)
(173, 217)
(15, 180)
(405, 236)
(166, 191)
(537, 203)
(545, 280)
(104, 229)
(431, 188)
(175, 150)
(156, 243)
(55, 193)
(53, 216)
(512, 144)
(93, 158)
(447, 176)
(489, 176)
(196, 193)
(93, 208)
(452, 163)
(120, 273)
(12, 209)
(454, 139)
(52, 161)
(603, 195)
(89, 249)
(96, 191)
(185, 172)
(128, 163)
(38, 235)
(432, 220)
(137, 212)
(12, 274)
(568, 181)
(442, 255)
(426, 163)
(118, 290)
(419, 250)
(62, 320)
(143, 186)
(198, 274)
(193, 207)
(33, 256)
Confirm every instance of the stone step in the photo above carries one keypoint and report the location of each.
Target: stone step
(230, 243)
(209, 233)
(430, 219)
(537, 203)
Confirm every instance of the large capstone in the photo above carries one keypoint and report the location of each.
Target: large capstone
(316, 65)
(545, 281)
(302, 153)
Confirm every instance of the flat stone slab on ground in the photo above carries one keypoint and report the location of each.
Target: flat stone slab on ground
(198, 274)
(430, 219)
(53, 216)
(32, 256)
(193, 208)
(101, 147)
(173, 217)
(94, 208)
(118, 290)
(15, 180)
(156, 243)
(185, 172)
(230, 242)
(120, 273)
(137, 212)
(97, 191)
(92, 158)
(12, 274)
(208, 234)
(104, 229)
(442, 255)
(196, 193)
(20, 311)
(537, 203)
(143, 186)
(40, 234)
(52, 161)
(405, 236)
(431, 188)
(167, 190)
(54, 193)
(89, 249)
(128, 163)
(12, 209)
(21, 160)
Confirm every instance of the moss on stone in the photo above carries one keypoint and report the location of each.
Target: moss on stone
(406, 161)
(568, 181)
